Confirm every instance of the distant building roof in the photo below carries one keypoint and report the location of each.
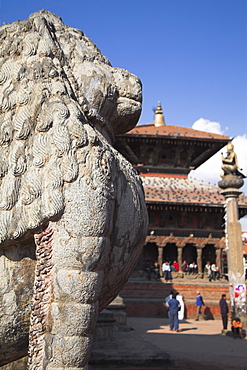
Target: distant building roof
(183, 191)
(174, 132)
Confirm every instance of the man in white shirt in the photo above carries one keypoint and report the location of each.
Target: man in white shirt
(166, 268)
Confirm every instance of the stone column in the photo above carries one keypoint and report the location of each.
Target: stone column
(234, 247)
(199, 260)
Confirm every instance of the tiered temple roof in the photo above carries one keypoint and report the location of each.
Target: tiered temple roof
(165, 154)
(170, 190)
(167, 149)
(174, 132)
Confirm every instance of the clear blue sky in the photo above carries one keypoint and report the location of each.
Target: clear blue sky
(190, 54)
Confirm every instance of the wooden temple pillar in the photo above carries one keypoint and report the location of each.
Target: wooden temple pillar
(180, 261)
(218, 257)
(199, 259)
(160, 259)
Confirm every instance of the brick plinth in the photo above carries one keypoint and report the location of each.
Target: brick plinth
(146, 299)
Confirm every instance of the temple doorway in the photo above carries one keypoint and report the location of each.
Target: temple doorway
(170, 253)
(189, 253)
(150, 252)
(208, 254)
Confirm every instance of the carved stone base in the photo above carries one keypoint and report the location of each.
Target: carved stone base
(231, 181)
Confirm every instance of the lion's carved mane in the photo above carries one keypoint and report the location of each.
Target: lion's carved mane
(55, 99)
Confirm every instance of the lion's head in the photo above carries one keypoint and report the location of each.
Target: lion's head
(56, 92)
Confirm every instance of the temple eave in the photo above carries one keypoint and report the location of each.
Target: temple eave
(182, 241)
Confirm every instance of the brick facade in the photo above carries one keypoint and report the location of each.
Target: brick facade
(146, 299)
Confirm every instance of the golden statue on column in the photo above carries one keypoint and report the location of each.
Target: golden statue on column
(232, 180)
(230, 163)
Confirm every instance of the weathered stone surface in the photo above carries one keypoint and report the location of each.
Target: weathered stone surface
(72, 212)
(20, 364)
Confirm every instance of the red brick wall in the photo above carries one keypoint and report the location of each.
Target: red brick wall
(147, 299)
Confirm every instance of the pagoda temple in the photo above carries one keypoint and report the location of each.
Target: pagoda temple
(186, 216)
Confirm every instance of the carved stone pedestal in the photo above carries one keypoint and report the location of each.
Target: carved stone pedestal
(117, 307)
(104, 329)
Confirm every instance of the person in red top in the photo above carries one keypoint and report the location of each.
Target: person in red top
(237, 328)
(175, 265)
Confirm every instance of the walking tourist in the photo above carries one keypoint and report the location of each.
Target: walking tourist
(174, 307)
(199, 304)
(224, 312)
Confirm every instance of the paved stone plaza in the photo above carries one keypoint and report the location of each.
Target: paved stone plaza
(151, 345)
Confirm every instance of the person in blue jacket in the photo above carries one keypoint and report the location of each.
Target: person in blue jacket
(199, 304)
(174, 307)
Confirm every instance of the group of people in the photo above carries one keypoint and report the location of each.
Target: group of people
(168, 267)
(174, 301)
(189, 268)
(152, 268)
(236, 325)
(175, 307)
(212, 271)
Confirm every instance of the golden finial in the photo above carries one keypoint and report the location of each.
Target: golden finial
(159, 119)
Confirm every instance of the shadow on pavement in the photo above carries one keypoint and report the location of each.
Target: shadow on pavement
(151, 345)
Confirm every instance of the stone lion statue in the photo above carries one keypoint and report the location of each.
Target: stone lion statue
(72, 212)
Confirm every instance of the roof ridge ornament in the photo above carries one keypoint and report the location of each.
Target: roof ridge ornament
(159, 119)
